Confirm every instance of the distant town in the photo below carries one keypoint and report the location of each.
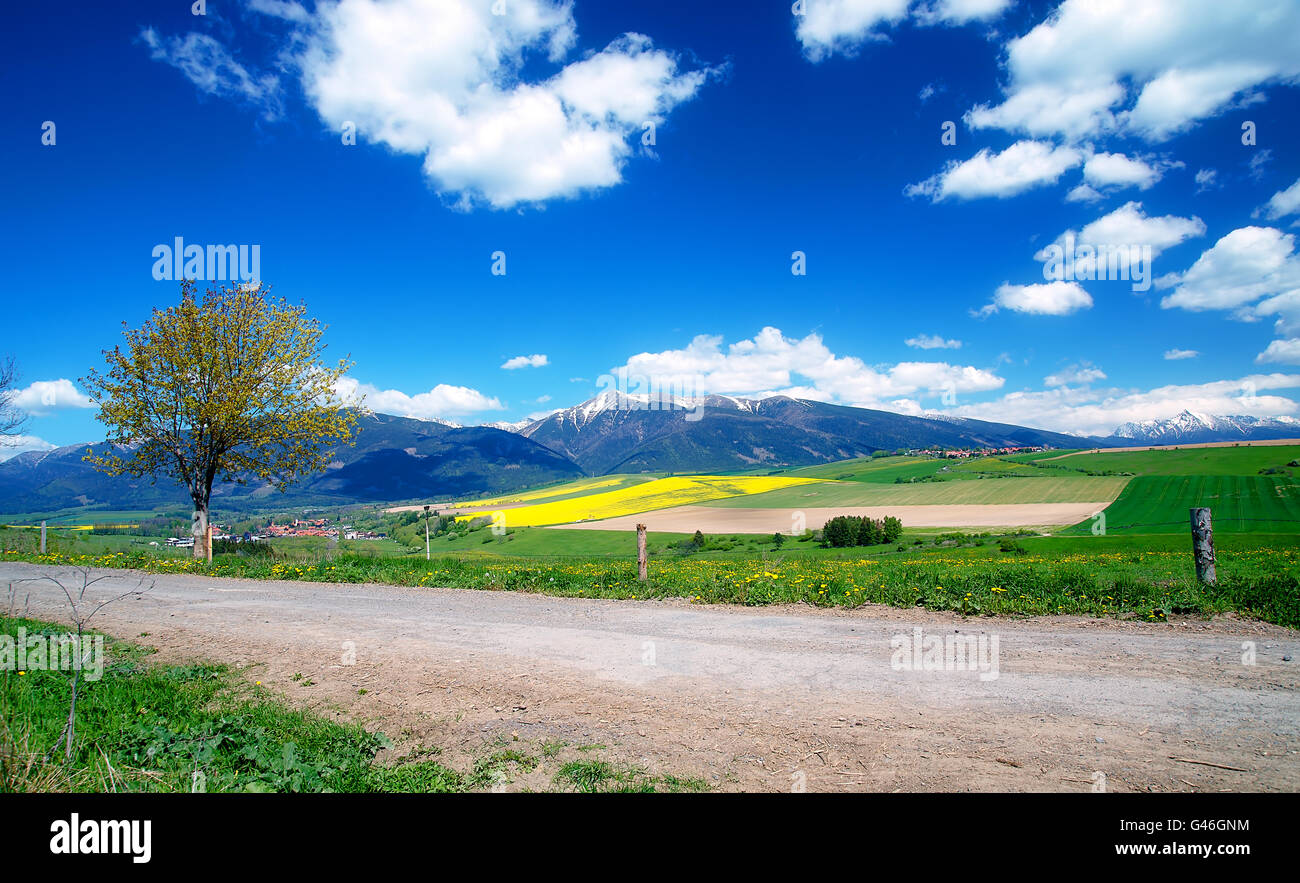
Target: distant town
(310, 527)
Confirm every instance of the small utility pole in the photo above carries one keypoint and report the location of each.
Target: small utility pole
(1203, 545)
(426, 534)
(641, 562)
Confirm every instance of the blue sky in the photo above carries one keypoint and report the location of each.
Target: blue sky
(774, 133)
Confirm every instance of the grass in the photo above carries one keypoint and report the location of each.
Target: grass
(1259, 576)
(1183, 461)
(1240, 503)
(147, 726)
(599, 776)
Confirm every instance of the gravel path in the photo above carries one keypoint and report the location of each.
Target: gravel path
(747, 698)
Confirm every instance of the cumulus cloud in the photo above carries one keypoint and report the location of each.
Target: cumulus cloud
(1286, 352)
(1244, 266)
(1150, 68)
(1093, 411)
(447, 79)
(463, 88)
(1022, 166)
(772, 364)
(827, 27)
(1284, 202)
(1115, 234)
(932, 342)
(1117, 170)
(1176, 355)
(44, 397)
(440, 402)
(536, 360)
(1043, 299)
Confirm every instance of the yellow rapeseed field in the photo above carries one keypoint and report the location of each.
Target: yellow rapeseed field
(662, 493)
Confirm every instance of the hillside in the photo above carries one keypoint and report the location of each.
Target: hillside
(617, 433)
(393, 458)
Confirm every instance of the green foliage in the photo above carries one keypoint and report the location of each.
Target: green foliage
(855, 530)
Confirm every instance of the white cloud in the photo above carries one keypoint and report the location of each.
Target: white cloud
(1284, 202)
(536, 360)
(830, 26)
(1050, 109)
(1206, 179)
(463, 88)
(1083, 193)
(932, 342)
(1127, 226)
(43, 397)
(1044, 299)
(207, 64)
(1022, 166)
(1075, 375)
(827, 27)
(1151, 68)
(440, 402)
(13, 445)
(1086, 410)
(960, 12)
(1118, 170)
(446, 79)
(1286, 352)
(1175, 355)
(1245, 265)
(772, 364)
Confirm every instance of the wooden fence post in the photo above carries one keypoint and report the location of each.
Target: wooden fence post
(42, 537)
(1203, 545)
(641, 562)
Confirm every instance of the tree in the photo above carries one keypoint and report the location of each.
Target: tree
(229, 387)
(12, 417)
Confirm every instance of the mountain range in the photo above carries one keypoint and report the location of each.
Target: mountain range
(1190, 427)
(402, 458)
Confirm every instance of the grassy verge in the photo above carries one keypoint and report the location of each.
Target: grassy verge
(169, 728)
(1148, 578)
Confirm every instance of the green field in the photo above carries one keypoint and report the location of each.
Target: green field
(1182, 461)
(1153, 504)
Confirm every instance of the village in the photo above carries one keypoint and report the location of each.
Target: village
(298, 527)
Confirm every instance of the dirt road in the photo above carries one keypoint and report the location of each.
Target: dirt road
(749, 698)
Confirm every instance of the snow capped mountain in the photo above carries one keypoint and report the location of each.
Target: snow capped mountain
(507, 426)
(1191, 427)
(612, 402)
